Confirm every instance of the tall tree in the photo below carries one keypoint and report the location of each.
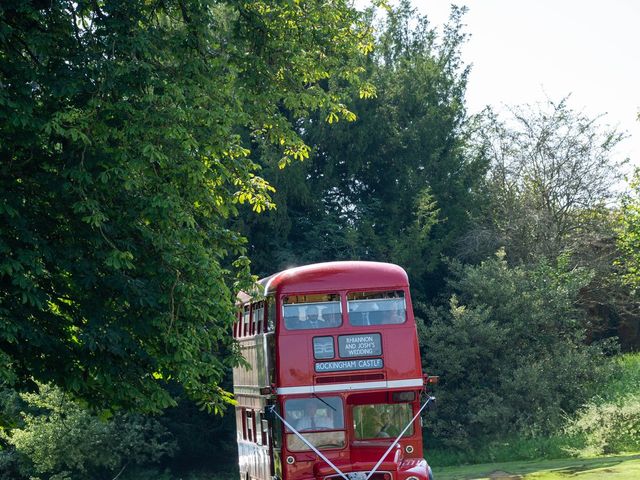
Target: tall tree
(551, 180)
(396, 185)
(628, 242)
(124, 152)
(551, 191)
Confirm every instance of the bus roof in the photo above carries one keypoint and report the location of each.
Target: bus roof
(346, 275)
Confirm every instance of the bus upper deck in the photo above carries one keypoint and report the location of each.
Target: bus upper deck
(338, 325)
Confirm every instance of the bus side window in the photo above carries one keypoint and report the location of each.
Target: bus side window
(265, 432)
(251, 428)
(246, 316)
(258, 317)
(257, 320)
(258, 424)
(240, 423)
(244, 423)
(271, 314)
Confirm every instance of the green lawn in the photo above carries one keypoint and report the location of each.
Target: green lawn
(624, 467)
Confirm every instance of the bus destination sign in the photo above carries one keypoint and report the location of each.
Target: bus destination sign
(363, 345)
(344, 365)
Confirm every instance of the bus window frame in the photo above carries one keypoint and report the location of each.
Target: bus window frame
(271, 312)
(246, 320)
(313, 436)
(306, 304)
(354, 428)
(381, 292)
(323, 401)
(244, 423)
(257, 322)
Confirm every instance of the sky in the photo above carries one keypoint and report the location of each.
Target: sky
(528, 51)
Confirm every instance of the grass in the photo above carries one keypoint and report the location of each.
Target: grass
(621, 467)
(504, 450)
(608, 424)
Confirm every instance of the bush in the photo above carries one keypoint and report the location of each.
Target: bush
(610, 422)
(607, 428)
(510, 352)
(508, 449)
(60, 439)
(626, 378)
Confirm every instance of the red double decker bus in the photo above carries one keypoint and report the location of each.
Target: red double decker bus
(334, 385)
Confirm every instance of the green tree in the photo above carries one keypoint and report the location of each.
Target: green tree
(510, 351)
(629, 233)
(396, 185)
(125, 134)
(628, 263)
(549, 192)
(550, 182)
(60, 438)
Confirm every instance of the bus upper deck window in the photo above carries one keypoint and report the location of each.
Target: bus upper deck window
(271, 315)
(306, 312)
(246, 317)
(377, 308)
(258, 317)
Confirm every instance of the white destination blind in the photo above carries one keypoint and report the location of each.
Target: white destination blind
(362, 345)
(343, 365)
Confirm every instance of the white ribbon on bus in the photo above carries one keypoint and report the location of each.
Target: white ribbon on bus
(336, 469)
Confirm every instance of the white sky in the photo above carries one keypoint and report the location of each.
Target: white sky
(526, 51)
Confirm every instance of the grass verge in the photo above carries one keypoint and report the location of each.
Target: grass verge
(620, 467)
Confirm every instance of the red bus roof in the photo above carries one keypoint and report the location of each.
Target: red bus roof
(346, 275)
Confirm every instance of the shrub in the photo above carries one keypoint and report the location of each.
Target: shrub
(607, 428)
(510, 352)
(61, 439)
(610, 422)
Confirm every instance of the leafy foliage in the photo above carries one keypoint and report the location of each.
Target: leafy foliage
(549, 192)
(550, 183)
(610, 422)
(396, 185)
(61, 438)
(205, 442)
(629, 233)
(510, 351)
(125, 134)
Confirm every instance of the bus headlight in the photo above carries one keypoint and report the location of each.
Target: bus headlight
(290, 460)
(412, 478)
(408, 449)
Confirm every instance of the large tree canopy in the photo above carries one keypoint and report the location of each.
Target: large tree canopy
(125, 133)
(397, 184)
(550, 184)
